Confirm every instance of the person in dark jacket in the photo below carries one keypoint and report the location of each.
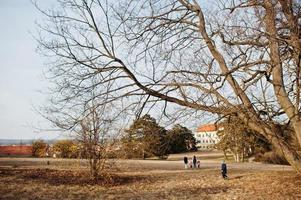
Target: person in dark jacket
(224, 170)
(194, 161)
(185, 162)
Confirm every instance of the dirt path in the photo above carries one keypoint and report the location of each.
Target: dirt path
(140, 164)
(205, 164)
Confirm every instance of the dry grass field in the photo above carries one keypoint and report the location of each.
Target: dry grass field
(29, 178)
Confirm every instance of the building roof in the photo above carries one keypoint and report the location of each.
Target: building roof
(207, 128)
(16, 150)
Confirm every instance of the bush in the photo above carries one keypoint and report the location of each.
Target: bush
(271, 158)
(66, 149)
(134, 150)
(39, 148)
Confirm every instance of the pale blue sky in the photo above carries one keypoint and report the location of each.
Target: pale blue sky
(21, 72)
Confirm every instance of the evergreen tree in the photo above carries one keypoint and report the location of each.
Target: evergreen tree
(180, 139)
(145, 138)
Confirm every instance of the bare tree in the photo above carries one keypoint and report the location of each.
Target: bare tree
(236, 138)
(225, 57)
(96, 143)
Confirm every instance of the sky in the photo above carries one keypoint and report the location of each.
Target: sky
(21, 73)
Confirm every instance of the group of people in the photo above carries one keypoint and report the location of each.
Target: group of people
(194, 163)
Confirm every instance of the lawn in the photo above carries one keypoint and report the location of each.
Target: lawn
(29, 178)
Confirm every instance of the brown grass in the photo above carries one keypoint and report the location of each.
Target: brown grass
(147, 180)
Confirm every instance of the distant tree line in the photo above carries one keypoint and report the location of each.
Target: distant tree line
(143, 139)
(61, 149)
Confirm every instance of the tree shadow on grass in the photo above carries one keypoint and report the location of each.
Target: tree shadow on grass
(212, 190)
(186, 193)
(71, 177)
(235, 177)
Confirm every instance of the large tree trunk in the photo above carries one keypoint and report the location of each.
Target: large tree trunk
(297, 128)
(291, 110)
(291, 154)
(274, 135)
(285, 146)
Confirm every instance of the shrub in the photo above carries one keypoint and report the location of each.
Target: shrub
(66, 149)
(39, 148)
(271, 158)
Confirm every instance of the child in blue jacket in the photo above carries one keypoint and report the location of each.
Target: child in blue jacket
(224, 170)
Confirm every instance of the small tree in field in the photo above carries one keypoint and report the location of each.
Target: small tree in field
(91, 125)
(237, 138)
(95, 142)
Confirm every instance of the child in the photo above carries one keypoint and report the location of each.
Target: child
(224, 170)
(190, 164)
(198, 164)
